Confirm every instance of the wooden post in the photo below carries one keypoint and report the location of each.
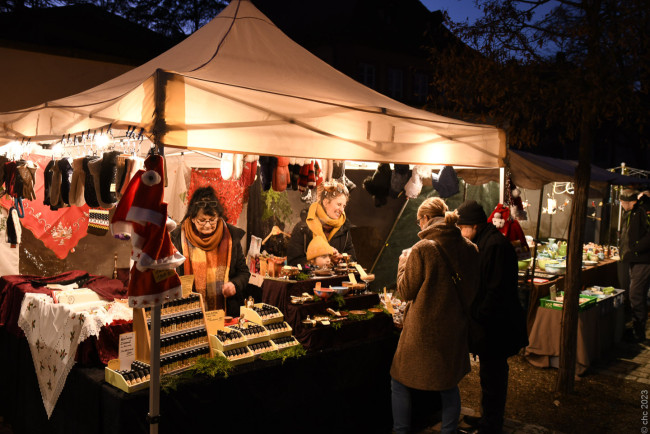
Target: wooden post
(158, 131)
(573, 285)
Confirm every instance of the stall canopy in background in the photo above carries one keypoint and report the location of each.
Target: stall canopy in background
(532, 172)
(241, 85)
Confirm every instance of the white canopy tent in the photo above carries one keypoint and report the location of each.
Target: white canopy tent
(241, 85)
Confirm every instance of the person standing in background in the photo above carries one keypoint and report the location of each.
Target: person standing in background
(432, 353)
(635, 254)
(497, 311)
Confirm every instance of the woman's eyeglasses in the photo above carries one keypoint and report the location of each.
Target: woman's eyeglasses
(202, 222)
(206, 203)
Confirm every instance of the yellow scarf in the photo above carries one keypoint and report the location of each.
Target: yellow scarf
(317, 216)
(209, 260)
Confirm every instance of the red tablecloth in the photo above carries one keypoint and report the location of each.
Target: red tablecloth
(13, 289)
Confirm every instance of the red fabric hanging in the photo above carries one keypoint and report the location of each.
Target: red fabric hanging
(230, 193)
(59, 230)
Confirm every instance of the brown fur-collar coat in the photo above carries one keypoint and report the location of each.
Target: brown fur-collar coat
(432, 353)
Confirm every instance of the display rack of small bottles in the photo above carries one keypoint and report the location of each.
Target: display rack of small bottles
(262, 313)
(129, 380)
(285, 342)
(183, 334)
(242, 344)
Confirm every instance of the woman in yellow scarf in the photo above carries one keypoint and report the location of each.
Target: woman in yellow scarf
(213, 253)
(325, 218)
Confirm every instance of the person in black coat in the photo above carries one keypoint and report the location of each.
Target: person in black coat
(207, 241)
(635, 255)
(324, 218)
(496, 312)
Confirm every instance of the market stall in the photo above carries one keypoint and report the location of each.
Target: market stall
(203, 95)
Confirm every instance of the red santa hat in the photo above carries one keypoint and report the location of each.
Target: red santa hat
(142, 215)
(511, 229)
(500, 218)
(147, 204)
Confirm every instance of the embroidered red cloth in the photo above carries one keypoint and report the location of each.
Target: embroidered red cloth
(59, 230)
(13, 289)
(230, 193)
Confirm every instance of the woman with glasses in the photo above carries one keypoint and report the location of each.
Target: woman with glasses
(438, 277)
(213, 253)
(325, 218)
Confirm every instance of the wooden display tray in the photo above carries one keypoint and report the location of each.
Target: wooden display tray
(218, 345)
(114, 378)
(246, 359)
(255, 339)
(273, 347)
(289, 345)
(288, 331)
(252, 316)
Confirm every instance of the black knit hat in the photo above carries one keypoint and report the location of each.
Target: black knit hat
(471, 213)
(378, 185)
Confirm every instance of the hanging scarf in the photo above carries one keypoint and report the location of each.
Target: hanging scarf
(209, 260)
(317, 217)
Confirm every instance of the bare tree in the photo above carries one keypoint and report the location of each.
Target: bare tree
(560, 71)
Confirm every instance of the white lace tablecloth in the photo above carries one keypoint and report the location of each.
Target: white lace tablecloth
(54, 332)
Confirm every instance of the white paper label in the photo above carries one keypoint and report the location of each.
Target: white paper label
(256, 279)
(127, 350)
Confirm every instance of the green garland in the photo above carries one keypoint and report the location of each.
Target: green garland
(294, 352)
(340, 301)
(301, 276)
(209, 367)
(366, 316)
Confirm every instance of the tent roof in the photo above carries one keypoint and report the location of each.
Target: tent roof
(240, 85)
(533, 171)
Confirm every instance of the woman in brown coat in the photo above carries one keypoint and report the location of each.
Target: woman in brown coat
(432, 353)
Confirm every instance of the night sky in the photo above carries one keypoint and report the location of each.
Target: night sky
(458, 10)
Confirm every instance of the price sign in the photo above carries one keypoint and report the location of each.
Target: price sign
(214, 320)
(126, 350)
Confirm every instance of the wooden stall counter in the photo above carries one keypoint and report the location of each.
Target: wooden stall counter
(603, 274)
(599, 328)
(277, 292)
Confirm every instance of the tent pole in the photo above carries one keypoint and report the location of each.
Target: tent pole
(502, 184)
(389, 234)
(539, 219)
(154, 383)
(159, 130)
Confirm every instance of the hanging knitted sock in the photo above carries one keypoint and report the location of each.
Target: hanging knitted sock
(90, 195)
(337, 169)
(226, 166)
(318, 173)
(238, 166)
(303, 177)
(66, 176)
(294, 171)
(311, 175)
(95, 168)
